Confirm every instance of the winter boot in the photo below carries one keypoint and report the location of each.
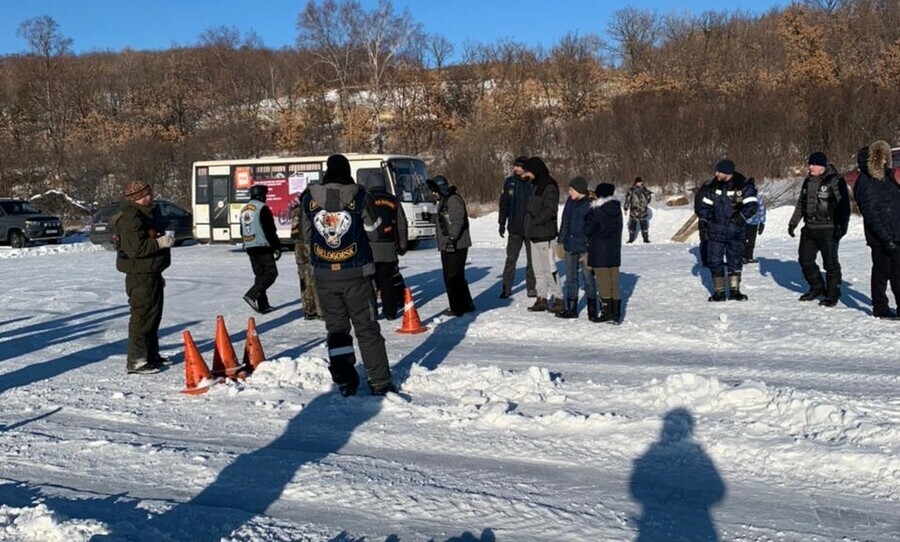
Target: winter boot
(611, 311)
(540, 305)
(719, 287)
(606, 308)
(593, 310)
(833, 293)
(571, 310)
(734, 284)
(557, 306)
(811, 295)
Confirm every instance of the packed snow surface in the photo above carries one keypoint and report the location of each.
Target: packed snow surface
(768, 420)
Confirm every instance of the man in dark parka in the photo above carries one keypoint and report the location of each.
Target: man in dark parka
(143, 254)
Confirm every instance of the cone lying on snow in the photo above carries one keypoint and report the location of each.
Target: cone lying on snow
(253, 352)
(225, 362)
(411, 321)
(197, 376)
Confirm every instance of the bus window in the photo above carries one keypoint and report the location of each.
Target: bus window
(409, 180)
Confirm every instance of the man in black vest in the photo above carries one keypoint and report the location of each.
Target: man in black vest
(339, 222)
(262, 245)
(391, 242)
(824, 206)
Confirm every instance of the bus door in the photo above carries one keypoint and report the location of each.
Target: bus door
(218, 207)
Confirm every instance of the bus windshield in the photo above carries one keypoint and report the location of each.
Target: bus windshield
(409, 180)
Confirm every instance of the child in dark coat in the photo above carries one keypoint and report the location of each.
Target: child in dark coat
(603, 226)
(574, 241)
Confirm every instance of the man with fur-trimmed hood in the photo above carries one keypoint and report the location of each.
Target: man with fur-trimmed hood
(877, 193)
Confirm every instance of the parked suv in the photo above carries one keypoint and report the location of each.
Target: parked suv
(168, 215)
(21, 222)
(852, 175)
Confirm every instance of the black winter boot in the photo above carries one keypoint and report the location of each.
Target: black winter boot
(811, 295)
(540, 305)
(607, 310)
(616, 311)
(719, 288)
(734, 284)
(593, 310)
(571, 310)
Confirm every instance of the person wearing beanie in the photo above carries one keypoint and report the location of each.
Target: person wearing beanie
(603, 226)
(513, 204)
(541, 230)
(637, 205)
(824, 207)
(338, 223)
(262, 245)
(724, 210)
(573, 240)
(453, 240)
(143, 253)
(877, 192)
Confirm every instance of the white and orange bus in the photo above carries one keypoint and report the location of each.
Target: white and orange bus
(220, 189)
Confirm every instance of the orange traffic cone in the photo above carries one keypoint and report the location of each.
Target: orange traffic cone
(224, 359)
(411, 322)
(197, 377)
(253, 352)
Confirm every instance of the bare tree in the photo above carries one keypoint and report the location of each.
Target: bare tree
(47, 43)
(634, 34)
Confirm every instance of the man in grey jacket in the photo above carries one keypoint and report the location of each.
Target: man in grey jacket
(453, 239)
(339, 222)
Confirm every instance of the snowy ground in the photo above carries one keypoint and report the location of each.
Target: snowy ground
(769, 420)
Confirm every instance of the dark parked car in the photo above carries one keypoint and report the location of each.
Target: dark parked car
(168, 215)
(22, 222)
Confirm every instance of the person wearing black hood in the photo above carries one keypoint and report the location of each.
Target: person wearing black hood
(824, 206)
(541, 230)
(603, 227)
(339, 222)
(877, 193)
(724, 210)
(454, 240)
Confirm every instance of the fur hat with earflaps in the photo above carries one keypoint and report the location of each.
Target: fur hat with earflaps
(879, 159)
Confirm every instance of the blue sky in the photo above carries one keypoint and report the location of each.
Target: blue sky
(99, 25)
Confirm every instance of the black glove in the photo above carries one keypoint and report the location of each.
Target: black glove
(791, 228)
(759, 230)
(277, 254)
(401, 251)
(502, 230)
(839, 232)
(450, 246)
(703, 227)
(738, 219)
(890, 247)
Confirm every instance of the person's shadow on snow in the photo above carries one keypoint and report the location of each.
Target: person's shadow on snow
(676, 484)
(786, 274)
(700, 270)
